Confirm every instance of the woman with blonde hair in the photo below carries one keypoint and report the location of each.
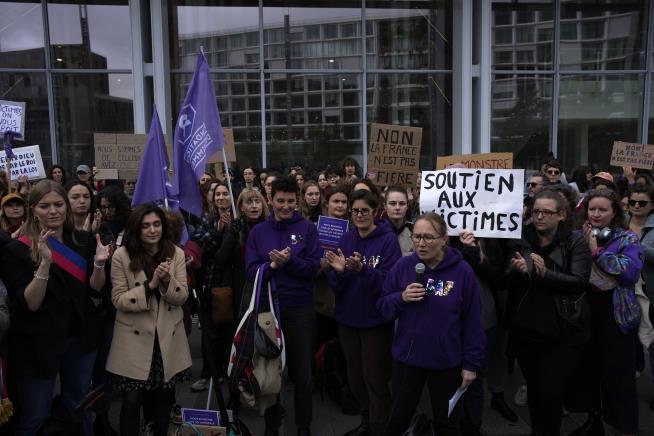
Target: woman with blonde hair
(55, 274)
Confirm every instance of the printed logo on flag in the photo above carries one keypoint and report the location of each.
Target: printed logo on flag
(196, 142)
(185, 123)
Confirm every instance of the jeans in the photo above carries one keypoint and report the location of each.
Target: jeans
(299, 328)
(35, 394)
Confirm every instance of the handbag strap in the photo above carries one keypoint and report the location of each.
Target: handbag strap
(257, 287)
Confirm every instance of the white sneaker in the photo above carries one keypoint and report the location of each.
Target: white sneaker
(200, 385)
(520, 398)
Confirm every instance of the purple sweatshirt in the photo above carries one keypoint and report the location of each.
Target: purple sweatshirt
(357, 292)
(293, 281)
(443, 330)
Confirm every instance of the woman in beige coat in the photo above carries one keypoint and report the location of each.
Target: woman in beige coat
(149, 351)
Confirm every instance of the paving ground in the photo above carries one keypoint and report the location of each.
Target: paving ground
(329, 421)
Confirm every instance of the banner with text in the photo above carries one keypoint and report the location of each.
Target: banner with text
(28, 163)
(500, 161)
(121, 151)
(488, 202)
(12, 118)
(394, 154)
(627, 154)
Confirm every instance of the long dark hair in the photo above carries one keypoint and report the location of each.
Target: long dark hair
(118, 199)
(579, 177)
(70, 185)
(140, 260)
(618, 215)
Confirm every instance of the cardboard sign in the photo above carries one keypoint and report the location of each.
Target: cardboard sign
(500, 161)
(106, 174)
(394, 154)
(27, 163)
(486, 202)
(626, 154)
(121, 152)
(230, 150)
(330, 231)
(12, 117)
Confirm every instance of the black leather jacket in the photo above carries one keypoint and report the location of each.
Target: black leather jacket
(535, 302)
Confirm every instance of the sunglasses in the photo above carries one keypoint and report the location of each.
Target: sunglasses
(533, 184)
(640, 203)
(553, 172)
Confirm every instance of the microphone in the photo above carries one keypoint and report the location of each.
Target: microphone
(420, 273)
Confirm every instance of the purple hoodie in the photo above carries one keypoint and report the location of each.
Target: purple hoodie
(444, 330)
(357, 292)
(294, 281)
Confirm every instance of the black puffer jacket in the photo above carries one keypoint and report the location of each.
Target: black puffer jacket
(533, 300)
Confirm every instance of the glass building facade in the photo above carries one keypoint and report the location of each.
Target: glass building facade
(301, 81)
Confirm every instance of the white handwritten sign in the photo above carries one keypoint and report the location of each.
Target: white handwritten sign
(486, 202)
(12, 118)
(27, 163)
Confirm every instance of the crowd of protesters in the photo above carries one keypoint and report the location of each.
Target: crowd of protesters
(100, 296)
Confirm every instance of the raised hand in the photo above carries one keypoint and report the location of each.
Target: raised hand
(102, 252)
(43, 245)
(336, 260)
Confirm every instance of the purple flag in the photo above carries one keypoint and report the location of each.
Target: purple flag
(152, 184)
(9, 137)
(198, 135)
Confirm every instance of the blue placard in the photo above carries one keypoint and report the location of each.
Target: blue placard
(330, 231)
(201, 417)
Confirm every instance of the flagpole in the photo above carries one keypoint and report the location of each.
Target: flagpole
(229, 183)
(9, 173)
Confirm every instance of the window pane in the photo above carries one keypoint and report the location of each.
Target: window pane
(246, 125)
(521, 108)
(89, 103)
(302, 25)
(317, 134)
(430, 108)
(105, 44)
(531, 42)
(31, 89)
(228, 34)
(21, 38)
(417, 37)
(594, 111)
(601, 27)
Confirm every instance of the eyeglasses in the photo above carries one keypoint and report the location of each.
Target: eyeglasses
(641, 203)
(544, 212)
(397, 203)
(553, 172)
(362, 212)
(429, 239)
(533, 184)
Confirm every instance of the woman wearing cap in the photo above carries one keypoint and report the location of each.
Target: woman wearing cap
(54, 274)
(13, 214)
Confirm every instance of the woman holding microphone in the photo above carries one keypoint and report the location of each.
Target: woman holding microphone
(439, 339)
